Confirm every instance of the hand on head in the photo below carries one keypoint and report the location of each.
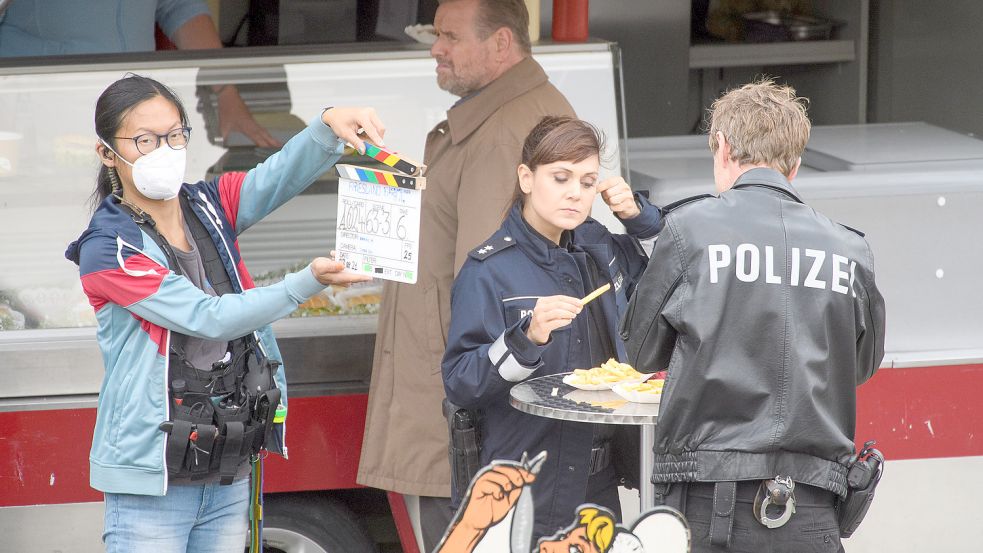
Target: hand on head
(619, 197)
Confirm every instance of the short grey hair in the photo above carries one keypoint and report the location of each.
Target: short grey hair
(511, 14)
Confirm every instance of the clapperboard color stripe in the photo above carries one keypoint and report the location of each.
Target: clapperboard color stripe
(394, 160)
(376, 176)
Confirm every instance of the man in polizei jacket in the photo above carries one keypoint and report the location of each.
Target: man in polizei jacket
(766, 315)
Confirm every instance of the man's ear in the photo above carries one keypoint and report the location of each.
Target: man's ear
(795, 170)
(525, 178)
(503, 42)
(723, 147)
(106, 156)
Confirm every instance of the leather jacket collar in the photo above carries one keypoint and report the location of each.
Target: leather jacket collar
(768, 179)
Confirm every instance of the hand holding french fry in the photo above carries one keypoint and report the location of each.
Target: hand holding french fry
(551, 313)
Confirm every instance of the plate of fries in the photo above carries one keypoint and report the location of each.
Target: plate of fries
(649, 391)
(604, 377)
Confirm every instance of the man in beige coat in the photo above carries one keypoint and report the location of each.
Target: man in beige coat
(483, 56)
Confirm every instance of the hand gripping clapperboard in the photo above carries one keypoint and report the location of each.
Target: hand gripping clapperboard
(378, 224)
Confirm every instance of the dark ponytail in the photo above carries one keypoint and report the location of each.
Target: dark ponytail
(111, 108)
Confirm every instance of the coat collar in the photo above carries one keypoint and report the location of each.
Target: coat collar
(539, 248)
(465, 117)
(770, 179)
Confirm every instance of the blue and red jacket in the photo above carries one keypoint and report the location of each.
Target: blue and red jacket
(139, 300)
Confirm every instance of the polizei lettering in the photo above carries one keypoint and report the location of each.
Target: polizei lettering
(806, 267)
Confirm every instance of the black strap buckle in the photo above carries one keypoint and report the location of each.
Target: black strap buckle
(600, 458)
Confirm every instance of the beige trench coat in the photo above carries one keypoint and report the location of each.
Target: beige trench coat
(471, 178)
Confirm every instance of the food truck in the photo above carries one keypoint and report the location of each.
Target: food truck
(914, 189)
(49, 357)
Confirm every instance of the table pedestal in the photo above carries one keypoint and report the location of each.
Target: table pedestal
(548, 396)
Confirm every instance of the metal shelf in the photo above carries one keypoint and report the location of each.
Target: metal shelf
(703, 56)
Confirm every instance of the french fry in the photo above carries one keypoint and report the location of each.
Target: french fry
(610, 372)
(590, 297)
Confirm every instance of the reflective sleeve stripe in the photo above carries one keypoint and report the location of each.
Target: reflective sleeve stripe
(508, 367)
(511, 370)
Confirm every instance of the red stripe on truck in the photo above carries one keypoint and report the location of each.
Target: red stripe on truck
(915, 413)
(922, 412)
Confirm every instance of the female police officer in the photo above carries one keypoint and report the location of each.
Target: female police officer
(515, 312)
(192, 378)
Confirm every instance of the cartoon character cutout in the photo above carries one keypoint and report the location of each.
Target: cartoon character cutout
(497, 515)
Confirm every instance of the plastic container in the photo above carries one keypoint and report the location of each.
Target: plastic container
(570, 20)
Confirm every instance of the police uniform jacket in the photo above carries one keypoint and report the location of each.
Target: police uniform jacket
(488, 352)
(767, 317)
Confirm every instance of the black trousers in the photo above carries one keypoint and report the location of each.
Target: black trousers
(813, 527)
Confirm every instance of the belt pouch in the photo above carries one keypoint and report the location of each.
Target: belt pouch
(465, 447)
(200, 456)
(230, 452)
(862, 479)
(263, 416)
(194, 412)
(722, 521)
(178, 440)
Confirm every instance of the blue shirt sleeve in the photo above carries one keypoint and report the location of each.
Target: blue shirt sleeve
(172, 14)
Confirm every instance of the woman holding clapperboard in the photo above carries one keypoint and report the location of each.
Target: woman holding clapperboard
(193, 390)
(516, 313)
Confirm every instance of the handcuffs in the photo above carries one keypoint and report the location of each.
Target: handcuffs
(779, 491)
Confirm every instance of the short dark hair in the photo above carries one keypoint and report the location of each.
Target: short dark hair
(112, 107)
(511, 14)
(559, 138)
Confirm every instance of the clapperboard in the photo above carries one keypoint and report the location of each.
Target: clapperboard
(378, 223)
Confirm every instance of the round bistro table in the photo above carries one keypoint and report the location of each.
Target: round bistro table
(548, 396)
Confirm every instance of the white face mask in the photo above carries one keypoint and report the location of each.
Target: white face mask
(159, 174)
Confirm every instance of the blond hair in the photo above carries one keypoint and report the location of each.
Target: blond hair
(764, 123)
(599, 527)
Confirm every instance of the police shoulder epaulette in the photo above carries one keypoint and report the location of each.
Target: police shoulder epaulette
(862, 235)
(492, 246)
(676, 205)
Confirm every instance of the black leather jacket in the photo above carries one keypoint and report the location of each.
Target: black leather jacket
(766, 315)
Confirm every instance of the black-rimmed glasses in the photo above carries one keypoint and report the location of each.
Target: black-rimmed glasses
(177, 139)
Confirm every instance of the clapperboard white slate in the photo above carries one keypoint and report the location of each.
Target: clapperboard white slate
(378, 223)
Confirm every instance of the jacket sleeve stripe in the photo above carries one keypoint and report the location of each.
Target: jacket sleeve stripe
(116, 286)
(229, 190)
(511, 370)
(498, 350)
(244, 276)
(508, 367)
(157, 334)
